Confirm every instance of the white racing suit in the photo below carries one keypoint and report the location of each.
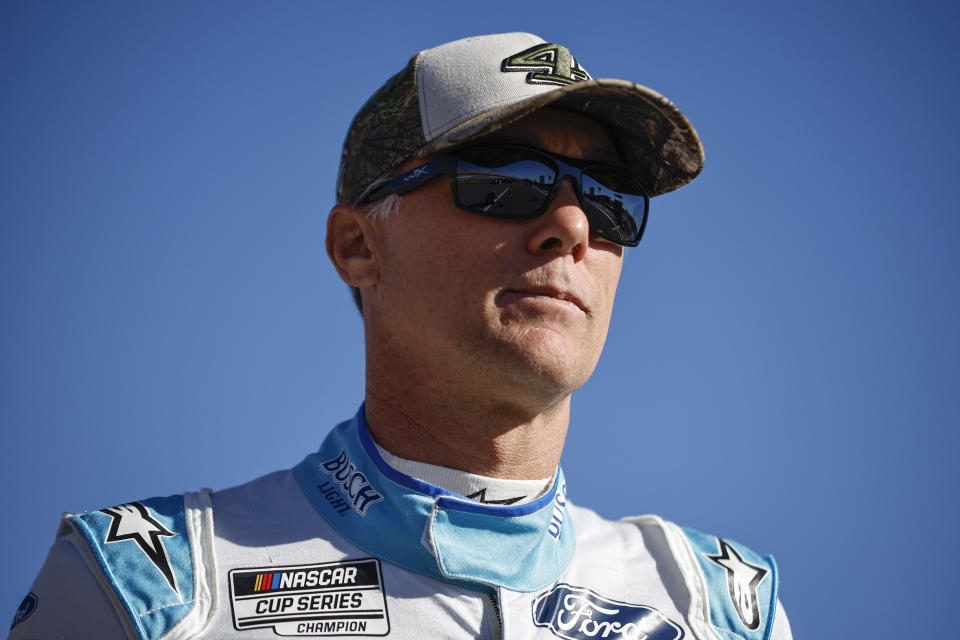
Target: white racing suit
(344, 545)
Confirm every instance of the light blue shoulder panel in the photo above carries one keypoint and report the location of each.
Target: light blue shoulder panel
(144, 552)
(741, 586)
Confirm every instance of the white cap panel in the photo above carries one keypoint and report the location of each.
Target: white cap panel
(462, 79)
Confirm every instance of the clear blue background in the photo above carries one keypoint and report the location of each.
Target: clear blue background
(783, 363)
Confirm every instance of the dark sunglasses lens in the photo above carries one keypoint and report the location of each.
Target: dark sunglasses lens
(616, 204)
(503, 183)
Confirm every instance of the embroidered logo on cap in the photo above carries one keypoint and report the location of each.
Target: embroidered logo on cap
(546, 64)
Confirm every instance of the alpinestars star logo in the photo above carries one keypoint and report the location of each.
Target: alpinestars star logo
(133, 521)
(743, 579)
(481, 496)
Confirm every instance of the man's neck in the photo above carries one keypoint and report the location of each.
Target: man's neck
(493, 441)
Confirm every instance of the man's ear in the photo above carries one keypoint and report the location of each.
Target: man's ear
(350, 246)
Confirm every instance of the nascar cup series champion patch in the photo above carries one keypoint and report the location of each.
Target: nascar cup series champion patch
(335, 598)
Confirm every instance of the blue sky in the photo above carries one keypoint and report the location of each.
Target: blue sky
(782, 368)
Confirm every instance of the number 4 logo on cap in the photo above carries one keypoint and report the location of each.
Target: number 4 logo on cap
(546, 64)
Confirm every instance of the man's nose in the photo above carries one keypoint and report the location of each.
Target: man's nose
(563, 229)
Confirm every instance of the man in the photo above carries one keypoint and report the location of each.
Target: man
(486, 196)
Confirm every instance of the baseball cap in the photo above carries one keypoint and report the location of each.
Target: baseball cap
(459, 91)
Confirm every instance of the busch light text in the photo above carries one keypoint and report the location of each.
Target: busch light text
(577, 613)
(351, 482)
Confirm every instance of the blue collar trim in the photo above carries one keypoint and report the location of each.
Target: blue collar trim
(447, 499)
(429, 530)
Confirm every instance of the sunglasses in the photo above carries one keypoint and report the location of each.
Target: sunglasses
(518, 183)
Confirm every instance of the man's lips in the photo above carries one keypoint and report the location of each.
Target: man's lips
(549, 294)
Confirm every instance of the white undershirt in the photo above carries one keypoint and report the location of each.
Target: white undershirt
(478, 488)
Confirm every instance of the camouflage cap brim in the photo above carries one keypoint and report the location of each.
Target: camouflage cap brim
(455, 93)
(659, 145)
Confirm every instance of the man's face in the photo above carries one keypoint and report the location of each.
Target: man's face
(517, 309)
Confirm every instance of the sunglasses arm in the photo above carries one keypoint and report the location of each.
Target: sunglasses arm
(410, 180)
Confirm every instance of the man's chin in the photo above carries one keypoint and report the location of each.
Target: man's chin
(548, 359)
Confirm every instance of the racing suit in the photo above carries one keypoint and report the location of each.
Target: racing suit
(345, 545)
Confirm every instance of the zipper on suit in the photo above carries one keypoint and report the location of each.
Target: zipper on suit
(492, 614)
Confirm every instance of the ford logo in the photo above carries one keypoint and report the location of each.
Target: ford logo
(576, 613)
(25, 610)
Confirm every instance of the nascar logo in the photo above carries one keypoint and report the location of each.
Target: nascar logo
(331, 577)
(265, 582)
